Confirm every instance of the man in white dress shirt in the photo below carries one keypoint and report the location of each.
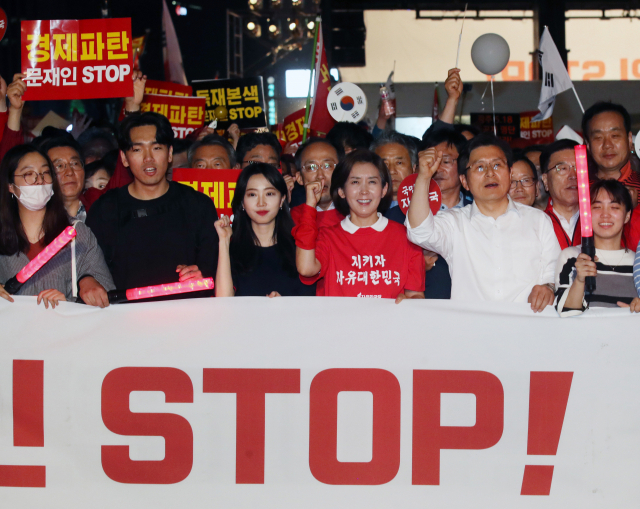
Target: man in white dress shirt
(497, 249)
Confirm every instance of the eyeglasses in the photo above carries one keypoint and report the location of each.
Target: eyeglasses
(525, 182)
(31, 177)
(448, 161)
(563, 168)
(313, 167)
(483, 166)
(61, 166)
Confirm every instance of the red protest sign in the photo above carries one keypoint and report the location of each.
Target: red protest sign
(167, 88)
(405, 192)
(77, 59)
(293, 127)
(186, 114)
(537, 132)
(220, 185)
(3, 24)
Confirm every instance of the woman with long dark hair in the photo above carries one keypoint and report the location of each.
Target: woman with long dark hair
(32, 215)
(257, 255)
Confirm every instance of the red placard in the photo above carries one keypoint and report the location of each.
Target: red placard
(3, 24)
(536, 132)
(293, 127)
(167, 88)
(186, 114)
(77, 59)
(220, 185)
(405, 192)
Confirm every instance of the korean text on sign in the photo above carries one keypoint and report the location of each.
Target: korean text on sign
(219, 185)
(239, 101)
(186, 114)
(77, 59)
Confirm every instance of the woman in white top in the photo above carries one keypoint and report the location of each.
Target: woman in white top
(613, 265)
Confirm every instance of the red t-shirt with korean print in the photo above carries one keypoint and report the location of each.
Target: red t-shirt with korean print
(377, 262)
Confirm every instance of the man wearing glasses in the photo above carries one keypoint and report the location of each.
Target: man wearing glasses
(69, 169)
(524, 181)
(315, 161)
(558, 166)
(497, 250)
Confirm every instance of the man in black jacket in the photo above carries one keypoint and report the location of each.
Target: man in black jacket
(154, 231)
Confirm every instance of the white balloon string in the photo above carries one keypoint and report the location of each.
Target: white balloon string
(460, 37)
(493, 107)
(483, 94)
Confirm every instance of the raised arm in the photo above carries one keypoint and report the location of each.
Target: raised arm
(453, 86)
(224, 279)
(15, 91)
(306, 234)
(428, 163)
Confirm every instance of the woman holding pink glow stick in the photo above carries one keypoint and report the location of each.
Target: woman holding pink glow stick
(613, 265)
(32, 215)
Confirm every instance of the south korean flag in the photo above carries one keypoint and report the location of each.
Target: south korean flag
(555, 78)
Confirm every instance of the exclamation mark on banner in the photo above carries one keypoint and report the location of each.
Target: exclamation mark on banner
(28, 423)
(548, 396)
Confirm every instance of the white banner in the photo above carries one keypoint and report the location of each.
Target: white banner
(316, 403)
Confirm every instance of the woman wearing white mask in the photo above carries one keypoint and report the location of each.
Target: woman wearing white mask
(32, 215)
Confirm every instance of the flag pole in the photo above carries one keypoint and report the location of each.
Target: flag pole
(313, 65)
(576, 93)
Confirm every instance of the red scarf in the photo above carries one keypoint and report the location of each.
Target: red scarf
(563, 238)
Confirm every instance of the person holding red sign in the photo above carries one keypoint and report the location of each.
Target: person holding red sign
(260, 257)
(497, 249)
(366, 254)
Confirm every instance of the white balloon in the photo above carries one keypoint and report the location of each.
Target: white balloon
(490, 54)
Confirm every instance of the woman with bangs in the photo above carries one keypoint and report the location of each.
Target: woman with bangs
(613, 265)
(32, 215)
(365, 255)
(257, 255)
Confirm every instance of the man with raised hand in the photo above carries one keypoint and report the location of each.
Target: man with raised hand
(153, 231)
(497, 250)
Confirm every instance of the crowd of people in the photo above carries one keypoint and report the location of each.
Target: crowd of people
(323, 219)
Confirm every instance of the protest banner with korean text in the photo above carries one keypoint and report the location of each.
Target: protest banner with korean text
(167, 88)
(186, 114)
(219, 185)
(77, 59)
(235, 101)
(536, 132)
(317, 403)
(293, 127)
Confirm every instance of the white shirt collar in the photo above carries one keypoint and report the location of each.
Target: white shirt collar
(378, 226)
(510, 207)
(331, 207)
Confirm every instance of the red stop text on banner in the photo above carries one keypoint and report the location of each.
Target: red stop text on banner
(77, 59)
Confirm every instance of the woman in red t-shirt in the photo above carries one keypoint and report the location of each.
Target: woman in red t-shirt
(365, 255)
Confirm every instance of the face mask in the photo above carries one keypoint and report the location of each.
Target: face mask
(35, 197)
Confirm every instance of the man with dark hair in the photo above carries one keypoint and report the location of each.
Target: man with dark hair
(349, 136)
(558, 165)
(68, 165)
(607, 130)
(96, 143)
(497, 250)
(153, 231)
(180, 154)
(258, 148)
(400, 155)
(532, 153)
(467, 130)
(316, 159)
(212, 152)
(524, 181)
